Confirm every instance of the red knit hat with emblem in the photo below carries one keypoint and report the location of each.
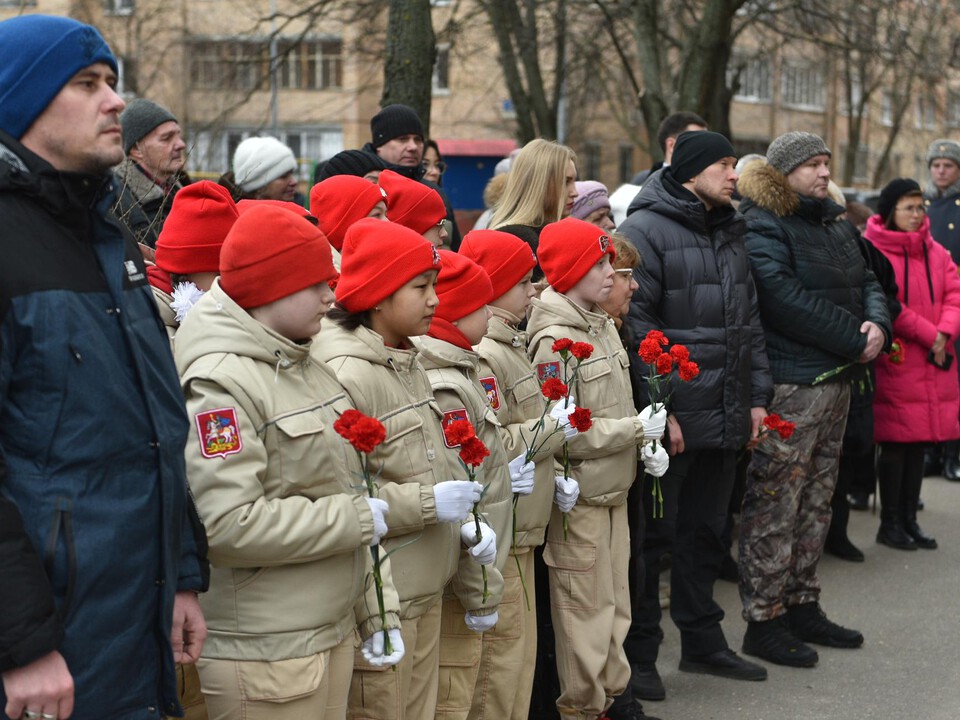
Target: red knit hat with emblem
(341, 200)
(200, 218)
(271, 253)
(569, 248)
(462, 286)
(411, 203)
(505, 257)
(379, 258)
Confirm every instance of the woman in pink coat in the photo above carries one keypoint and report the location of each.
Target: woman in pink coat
(917, 396)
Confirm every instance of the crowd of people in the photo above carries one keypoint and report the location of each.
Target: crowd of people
(319, 456)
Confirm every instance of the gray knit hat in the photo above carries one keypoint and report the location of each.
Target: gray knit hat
(943, 148)
(791, 150)
(139, 118)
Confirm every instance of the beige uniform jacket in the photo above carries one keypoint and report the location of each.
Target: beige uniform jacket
(277, 490)
(456, 386)
(390, 385)
(167, 313)
(511, 384)
(604, 459)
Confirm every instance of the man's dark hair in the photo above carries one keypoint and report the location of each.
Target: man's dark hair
(675, 124)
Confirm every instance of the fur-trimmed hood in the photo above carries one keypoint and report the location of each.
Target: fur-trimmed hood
(768, 188)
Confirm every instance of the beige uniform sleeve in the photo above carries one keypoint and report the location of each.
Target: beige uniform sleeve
(366, 607)
(244, 527)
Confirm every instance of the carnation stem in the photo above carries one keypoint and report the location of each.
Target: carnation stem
(483, 568)
(566, 476)
(377, 578)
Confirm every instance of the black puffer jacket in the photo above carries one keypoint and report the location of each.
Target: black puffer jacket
(695, 286)
(814, 287)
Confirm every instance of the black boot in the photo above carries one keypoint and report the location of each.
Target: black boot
(626, 708)
(890, 471)
(951, 461)
(892, 534)
(842, 548)
(772, 641)
(645, 682)
(810, 624)
(911, 501)
(933, 460)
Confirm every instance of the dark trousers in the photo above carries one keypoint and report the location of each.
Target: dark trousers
(696, 495)
(900, 469)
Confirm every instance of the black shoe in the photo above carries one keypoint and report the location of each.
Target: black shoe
(920, 504)
(932, 461)
(627, 710)
(646, 683)
(859, 500)
(919, 537)
(729, 570)
(808, 623)
(772, 641)
(843, 549)
(893, 535)
(725, 664)
(951, 469)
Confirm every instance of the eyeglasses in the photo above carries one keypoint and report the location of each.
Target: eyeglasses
(441, 166)
(912, 210)
(624, 272)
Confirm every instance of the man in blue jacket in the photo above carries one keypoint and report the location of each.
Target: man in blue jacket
(100, 554)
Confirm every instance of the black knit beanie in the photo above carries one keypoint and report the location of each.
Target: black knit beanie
(696, 151)
(392, 122)
(349, 162)
(891, 194)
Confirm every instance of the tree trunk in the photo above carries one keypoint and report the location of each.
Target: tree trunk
(411, 53)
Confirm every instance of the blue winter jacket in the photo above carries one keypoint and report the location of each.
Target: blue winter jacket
(96, 529)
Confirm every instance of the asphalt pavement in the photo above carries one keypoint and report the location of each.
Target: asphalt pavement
(906, 604)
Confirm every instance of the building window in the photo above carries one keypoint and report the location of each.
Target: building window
(244, 64)
(441, 71)
(926, 112)
(801, 86)
(118, 7)
(886, 109)
(126, 76)
(212, 152)
(591, 161)
(755, 81)
(953, 108)
(625, 163)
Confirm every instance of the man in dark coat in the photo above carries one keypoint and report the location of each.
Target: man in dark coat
(100, 557)
(695, 287)
(823, 313)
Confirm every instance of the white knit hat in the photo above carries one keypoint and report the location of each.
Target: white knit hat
(259, 161)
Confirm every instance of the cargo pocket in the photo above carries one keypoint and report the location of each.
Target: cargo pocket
(596, 391)
(281, 681)
(572, 575)
(404, 446)
(300, 445)
(460, 650)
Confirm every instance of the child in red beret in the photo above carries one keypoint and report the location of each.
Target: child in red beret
(588, 560)
(386, 295)
(415, 206)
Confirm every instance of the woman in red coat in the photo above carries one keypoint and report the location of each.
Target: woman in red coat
(917, 396)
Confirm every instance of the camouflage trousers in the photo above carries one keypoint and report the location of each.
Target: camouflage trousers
(786, 508)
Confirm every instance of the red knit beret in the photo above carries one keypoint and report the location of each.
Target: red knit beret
(379, 258)
(462, 286)
(246, 204)
(271, 253)
(505, 257)
(411, 203)
(200, 218)
(569, 248)
(340, 201)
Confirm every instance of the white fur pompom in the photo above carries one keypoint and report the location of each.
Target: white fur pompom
(185, 296)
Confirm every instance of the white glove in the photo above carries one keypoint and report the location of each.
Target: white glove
(481, 623)
(484, 550)
(372, 648)
(562, 415)
(455, 499)
(653, 423)
(655, 462)
(566, 493)
(379, 508)
(521, 475)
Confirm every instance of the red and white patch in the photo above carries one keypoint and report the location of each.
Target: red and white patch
(547, 370)
(604, 243)
(452, 416)
(492, 390)
(219, 433)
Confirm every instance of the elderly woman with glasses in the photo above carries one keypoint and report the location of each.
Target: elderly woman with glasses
(918, 395)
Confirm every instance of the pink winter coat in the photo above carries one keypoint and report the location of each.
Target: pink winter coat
(916, 401)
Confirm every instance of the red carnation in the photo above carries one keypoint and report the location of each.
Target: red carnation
(680, 353)
(458, 432)
(561, 344)
(346, 421)
(772, 421)
(472, 450)
(649, 350)
(688, 370)
(581, 419)
(361, 431)
(660, 338)
(664, 364)
(553, 389)
(786, 429)
(581, 350)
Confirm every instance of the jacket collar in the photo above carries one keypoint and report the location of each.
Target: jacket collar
(502, 327)
(436, 353)
(766, 187)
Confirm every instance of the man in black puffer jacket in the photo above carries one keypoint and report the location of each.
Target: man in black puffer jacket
(695, 286)
(823, 312)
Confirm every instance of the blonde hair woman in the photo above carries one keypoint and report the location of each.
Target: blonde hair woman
(540, 186)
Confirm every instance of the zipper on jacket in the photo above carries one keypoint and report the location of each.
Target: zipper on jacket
(62, 516)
